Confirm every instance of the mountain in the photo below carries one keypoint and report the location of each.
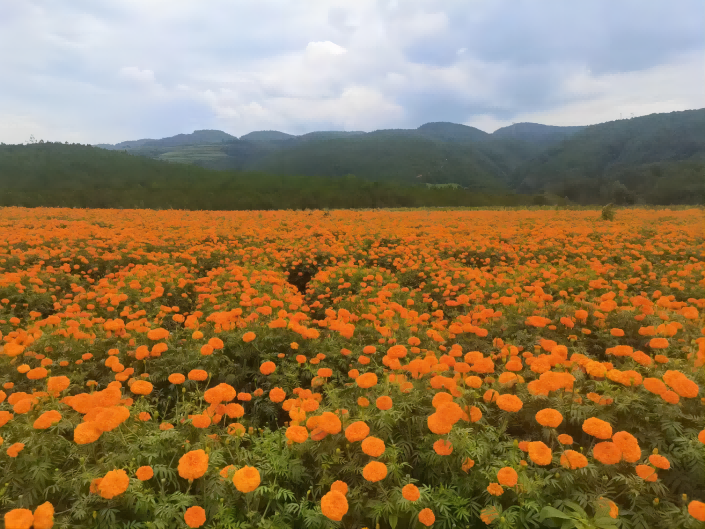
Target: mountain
(635, 157)
(199, 137)
(62, 175)
(266, 135)
(543, 135)
(624, 161)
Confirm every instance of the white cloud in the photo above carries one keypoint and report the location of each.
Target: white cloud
(135, 74)
(169, 66)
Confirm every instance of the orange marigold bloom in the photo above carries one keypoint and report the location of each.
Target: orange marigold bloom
(701, 436)
(357, 431)
(37, 373)
(193, 464)
(144, 473)
(248, 337)
(384, 403)
(330, 422)
(373, 446)
(572, 459)
(697, 510)
(177, 378)
(658, 343)
(363, 402)
(549, 418)
(410, 492)
(44, 516)
(467, 464)
(427, 517)
(277, 394)
(681, 384)
(57, 384)
(199, 375)
(340, 486)
(495, 489)
(659, 461)
(113, 484)
(443, 448)
(607, 453)
(646, 472)
(539, 453)
(141, 387)
(655, 386)
(510, 403)
(46, 420)
(334, 505)
(86, 433)
(366, 380)
(267, 368)
(507, 476)
(195, 516)
(297, 434)
(629, 446)
(565, 439)
(597, 428)
(15, 449)
(374, 471)
(158, 334)
(19, 519)
(246, 479)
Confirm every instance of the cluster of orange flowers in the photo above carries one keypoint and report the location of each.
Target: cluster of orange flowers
(492, 313)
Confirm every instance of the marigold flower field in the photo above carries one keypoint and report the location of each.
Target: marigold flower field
(391, 369)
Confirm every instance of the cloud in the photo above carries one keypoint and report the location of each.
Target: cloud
(104, 72)
(135, 74)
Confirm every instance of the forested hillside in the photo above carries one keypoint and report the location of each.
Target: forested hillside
(55, 174)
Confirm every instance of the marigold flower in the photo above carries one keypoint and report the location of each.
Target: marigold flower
(366, 380)
(565, 439)
(58, 384)
(44, 516)
(374, 471)
(646, 472)
(14, 449)
(384, 403)
(373, 446)
(177, 378)
(330, 422)
(443, 448)
(246, 479)
(549, 418)
(141, 387)
(507, 476)
(195, 516)
(597, 428)
(681, 384)
(607, 453)
(659, 461)
(37, 373)
(697, 510)
(571, 459)
(539, 453)
(357, 431)
(629, 446)
(199, 375)
(157, 334)
(113, 484)
(467, 464)
(248, 337)
(193, 464)
(334, 505)
(86, 433)
(658, 343)
(510, 403)
(701, 436)
(410, 492)
(427, 517)
(340, 486)
(144, 473)
(495, 489)
(277, 394)
(297, 434)
(267, 368)
(46, 420)
(19, 519)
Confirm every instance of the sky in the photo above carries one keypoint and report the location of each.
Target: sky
(105, 71)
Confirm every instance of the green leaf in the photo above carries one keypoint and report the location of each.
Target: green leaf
(551, 512)
(393, 519)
